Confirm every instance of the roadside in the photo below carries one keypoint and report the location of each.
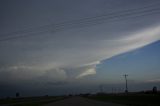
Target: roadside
(129, 99)
(30, 101)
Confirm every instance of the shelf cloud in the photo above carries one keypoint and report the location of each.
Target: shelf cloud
(61, 42)
(81, 54)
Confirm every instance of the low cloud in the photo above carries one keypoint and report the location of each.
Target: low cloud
(49, 59)
(87, 72)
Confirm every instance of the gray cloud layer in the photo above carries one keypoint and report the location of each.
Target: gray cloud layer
(77, 54)
(70, 54)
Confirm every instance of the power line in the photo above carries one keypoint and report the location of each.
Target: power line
(85, 22)
(115, 18)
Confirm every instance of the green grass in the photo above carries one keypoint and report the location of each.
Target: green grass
(130, 99)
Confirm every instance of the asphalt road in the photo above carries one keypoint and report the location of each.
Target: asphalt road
(80, 101)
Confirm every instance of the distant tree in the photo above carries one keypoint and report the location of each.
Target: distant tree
(17, 94)
(154, 90)
(46, 95)
(8, 97)
(70, 95)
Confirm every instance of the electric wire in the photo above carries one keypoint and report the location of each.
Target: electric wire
(84, 22)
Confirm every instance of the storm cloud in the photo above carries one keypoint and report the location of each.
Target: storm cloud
(63, 56)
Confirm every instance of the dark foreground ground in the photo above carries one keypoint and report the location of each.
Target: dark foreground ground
(80, 101)
(30, 101)
(55, 101)
(86, 100)
(133, 99)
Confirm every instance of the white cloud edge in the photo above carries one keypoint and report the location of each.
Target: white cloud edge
(153, 35)
(124, 44)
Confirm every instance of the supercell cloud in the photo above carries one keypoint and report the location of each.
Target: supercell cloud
(73, 53)
(51, 58)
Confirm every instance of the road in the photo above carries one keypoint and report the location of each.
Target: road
(80, 101)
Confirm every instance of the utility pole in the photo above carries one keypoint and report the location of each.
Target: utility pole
(125, 76)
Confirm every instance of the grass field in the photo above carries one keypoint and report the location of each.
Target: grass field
(129, 99)
(30, 101)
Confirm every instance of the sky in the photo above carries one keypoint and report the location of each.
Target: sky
(58, 47)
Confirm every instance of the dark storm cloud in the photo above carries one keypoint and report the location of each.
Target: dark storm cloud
(46, 57)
